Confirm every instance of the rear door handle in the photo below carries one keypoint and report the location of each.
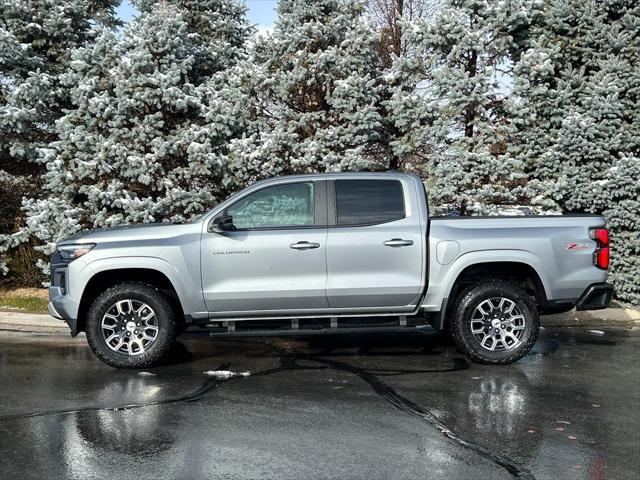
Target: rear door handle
(398, 242)
(304, 245)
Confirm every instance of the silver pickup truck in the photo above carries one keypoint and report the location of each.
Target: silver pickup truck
(328, 253)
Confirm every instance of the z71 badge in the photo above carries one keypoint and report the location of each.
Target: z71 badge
(579, 245)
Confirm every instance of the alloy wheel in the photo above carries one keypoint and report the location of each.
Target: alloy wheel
(498, 324)
(129, 327)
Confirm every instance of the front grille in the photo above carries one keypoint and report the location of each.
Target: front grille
(59, 272)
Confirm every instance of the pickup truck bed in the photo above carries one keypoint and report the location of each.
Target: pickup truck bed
(556, 249)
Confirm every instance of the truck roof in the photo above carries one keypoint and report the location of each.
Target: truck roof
(332, 175)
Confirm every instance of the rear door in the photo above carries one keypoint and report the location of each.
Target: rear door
(275, 260)
(374, 245)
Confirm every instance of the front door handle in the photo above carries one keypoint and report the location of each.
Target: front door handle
(398, 242)
(304, 245)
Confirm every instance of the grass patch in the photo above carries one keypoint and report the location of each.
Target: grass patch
(31, 300)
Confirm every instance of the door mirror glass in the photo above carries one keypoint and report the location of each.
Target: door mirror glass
(222, 223)
(279, 206)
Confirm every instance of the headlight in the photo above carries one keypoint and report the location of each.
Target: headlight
(73, 251)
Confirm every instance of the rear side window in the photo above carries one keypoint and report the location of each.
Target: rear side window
(367, 202)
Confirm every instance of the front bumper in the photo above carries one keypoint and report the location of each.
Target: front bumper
(596, 297)
(63, 307)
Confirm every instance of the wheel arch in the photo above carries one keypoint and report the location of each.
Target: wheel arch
(503, 270)
(518, 271)
(109, 277)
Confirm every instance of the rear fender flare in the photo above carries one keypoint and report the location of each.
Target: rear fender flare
(493, 256)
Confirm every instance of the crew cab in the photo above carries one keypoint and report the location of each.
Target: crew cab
(328, 253)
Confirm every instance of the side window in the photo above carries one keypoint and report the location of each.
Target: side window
(366, 202)
(289, 205)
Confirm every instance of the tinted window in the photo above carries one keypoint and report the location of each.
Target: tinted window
(289, 205)
(362, 202)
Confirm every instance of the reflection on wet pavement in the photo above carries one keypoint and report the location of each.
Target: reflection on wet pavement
(365, 406)
(497, 406)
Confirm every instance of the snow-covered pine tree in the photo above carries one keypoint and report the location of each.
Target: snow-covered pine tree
(393, 21)
(619, 201)
(147, 137)
(221, 29)
(407, 112)
(578, 80)
(456, 118)
(314, 84)
(390, 17)
(36, 39)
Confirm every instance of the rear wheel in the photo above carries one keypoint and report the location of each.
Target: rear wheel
(495, 322)
(131, 325)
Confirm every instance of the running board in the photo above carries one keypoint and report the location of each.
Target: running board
(307, 331)
(315, 326)
(306, 316)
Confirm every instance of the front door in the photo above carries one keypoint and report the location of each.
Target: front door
(275, 259)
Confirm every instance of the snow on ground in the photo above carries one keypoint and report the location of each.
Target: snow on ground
(225, 374)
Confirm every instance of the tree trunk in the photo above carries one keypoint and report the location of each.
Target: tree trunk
(397, 30)
(470, 111)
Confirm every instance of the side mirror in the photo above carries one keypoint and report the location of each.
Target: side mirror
(222, 223)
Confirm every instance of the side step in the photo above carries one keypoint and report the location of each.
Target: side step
(315, 326)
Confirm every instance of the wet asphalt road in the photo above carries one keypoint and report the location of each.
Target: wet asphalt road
(350, 407)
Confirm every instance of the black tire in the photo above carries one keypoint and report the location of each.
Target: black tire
(165, 317)
(464, 309)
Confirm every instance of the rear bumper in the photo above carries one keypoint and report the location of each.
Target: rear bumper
(596, 297)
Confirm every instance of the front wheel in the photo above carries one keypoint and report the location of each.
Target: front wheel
(131, 325)
(495, 322)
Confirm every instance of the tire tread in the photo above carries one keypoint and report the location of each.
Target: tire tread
(468, 296)
(160, 350)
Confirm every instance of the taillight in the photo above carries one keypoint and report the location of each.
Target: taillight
(601, 255)
(600, 235)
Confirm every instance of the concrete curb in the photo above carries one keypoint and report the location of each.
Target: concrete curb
(627, 317)
(31, 322)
